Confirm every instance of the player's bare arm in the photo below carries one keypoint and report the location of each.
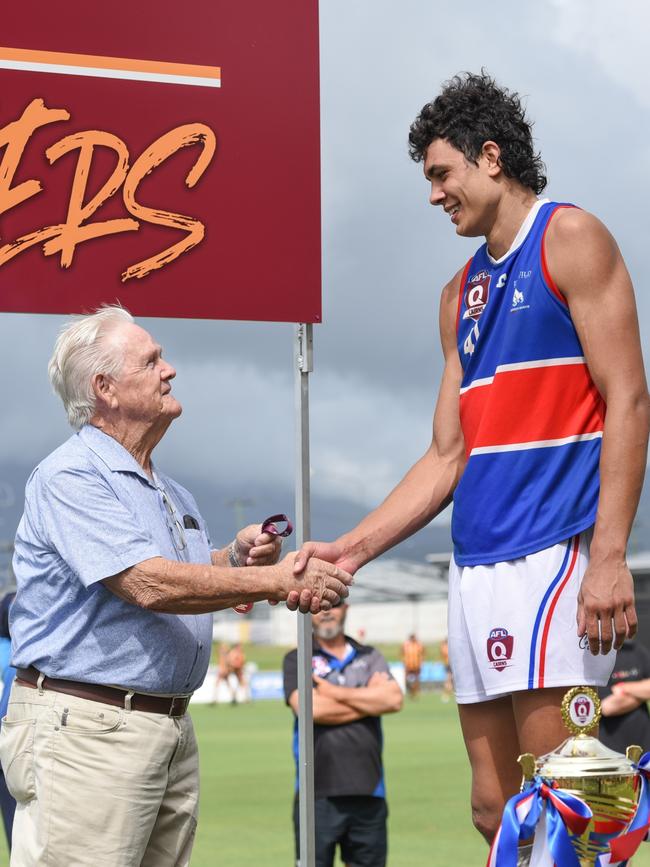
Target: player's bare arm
(587, 267)
(427, 488)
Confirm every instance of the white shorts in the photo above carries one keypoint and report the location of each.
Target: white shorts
(512, 625)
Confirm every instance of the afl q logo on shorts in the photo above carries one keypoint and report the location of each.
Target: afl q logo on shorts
(499, 648)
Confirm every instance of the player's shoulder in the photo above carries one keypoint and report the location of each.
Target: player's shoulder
(453, 286)
(449, 298)
(572, 227)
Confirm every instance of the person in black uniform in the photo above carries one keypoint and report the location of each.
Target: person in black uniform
(353, 688)
(625, 719)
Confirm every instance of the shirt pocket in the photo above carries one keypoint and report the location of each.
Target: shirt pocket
(198, 549)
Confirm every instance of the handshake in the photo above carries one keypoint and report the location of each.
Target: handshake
(310, 580)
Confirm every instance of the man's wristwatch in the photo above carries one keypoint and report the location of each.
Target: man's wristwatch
(233, 556)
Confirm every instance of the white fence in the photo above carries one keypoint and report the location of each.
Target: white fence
(371, 623)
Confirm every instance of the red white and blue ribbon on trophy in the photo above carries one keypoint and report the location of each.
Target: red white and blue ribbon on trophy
(625, 845)
(559, 815)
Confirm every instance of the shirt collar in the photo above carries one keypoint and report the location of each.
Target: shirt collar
(339, 664)
(112, 453)
(521, 235)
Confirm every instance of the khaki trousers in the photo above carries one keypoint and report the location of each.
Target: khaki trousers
(96, 785)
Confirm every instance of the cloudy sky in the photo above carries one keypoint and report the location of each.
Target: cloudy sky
(582, 66)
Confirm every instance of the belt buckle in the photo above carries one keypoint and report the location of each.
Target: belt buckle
(181, 699)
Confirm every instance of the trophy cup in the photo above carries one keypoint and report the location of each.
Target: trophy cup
(592, 791)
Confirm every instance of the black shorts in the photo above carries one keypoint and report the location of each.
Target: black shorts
(356, 822)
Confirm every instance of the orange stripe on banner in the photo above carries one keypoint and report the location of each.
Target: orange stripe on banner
(531, 405)
(94, 61)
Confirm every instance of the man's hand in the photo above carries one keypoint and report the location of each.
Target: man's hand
(316, 588)
(327, 689)
(254, 548)
(606, 597)
(331, 552)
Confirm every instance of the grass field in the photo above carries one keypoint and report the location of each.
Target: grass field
(248, 778)
(247, 784)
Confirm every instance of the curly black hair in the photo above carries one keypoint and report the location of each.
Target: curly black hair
(473, 109)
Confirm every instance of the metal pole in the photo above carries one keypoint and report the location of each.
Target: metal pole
(303, 354)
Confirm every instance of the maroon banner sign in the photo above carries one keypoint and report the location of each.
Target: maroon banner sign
(161, 155)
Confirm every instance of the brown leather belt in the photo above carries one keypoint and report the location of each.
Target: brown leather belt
(171, 706)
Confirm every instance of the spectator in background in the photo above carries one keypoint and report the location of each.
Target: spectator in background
(235, 662)
(448, 686)
(222, 671)
(625, 719)
(354, 688)
(412, 655)
(7, 673)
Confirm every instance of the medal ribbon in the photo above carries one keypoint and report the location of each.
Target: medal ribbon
(565, 814)
(270, 526)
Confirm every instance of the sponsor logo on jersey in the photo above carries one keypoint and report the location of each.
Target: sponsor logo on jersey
(477, 295)
(499, 648)
(320, 666)
(517, 298)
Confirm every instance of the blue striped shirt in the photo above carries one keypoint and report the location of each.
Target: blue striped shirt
(90, 512)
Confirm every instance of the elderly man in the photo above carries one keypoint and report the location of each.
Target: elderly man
(111, 625)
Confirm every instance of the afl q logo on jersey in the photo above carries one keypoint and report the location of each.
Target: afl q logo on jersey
(499, 648)
(476, 295)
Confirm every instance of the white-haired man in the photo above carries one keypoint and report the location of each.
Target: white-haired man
(111, 625)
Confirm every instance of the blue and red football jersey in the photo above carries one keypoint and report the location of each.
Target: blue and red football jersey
(531, 415)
